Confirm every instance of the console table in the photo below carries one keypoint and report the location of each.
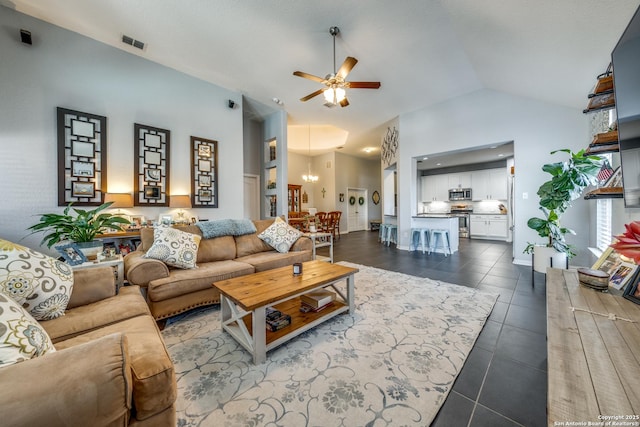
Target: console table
(593, 360)
(117, 264)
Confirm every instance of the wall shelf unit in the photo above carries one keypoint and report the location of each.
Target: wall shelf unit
(270, 178)
(603, 97)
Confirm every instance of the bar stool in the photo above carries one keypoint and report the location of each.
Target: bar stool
(382, 233)
(433, 238)
(392, 234)
(422, 235)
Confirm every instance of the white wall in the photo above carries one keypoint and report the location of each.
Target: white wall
(298, 166)
(356, 172)
(488, 116)
(65, 69)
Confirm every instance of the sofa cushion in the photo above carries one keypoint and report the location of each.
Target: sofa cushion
(182, 282)
(154, 384)
(250, 243)
(21, 337)
(174, 247)
(268, 260)
(280, 235)
(41, 284)
(86, 385)
(128, 303)
(216, 249)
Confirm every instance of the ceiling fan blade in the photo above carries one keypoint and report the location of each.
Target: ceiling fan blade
(346, 66)
(311, 95)
(364, 85)
(308, 76)
(344, 102)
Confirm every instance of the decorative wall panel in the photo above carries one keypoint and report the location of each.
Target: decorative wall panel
(151, 166)
(82, 158)
(204, 173)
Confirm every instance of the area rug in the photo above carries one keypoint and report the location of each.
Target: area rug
(391, 364)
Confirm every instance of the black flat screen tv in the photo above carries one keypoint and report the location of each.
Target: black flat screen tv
(626, 77)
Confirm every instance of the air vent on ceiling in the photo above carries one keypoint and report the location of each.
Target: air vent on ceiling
(131, 42)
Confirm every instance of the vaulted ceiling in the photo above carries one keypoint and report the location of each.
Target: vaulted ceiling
(423, 52)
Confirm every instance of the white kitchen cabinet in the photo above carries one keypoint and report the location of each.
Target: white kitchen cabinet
(498, 184)
(459, 180)
(435, 187)
(488, 227)
(489, 184)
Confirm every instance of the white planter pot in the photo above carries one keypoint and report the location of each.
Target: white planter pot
(544, 256)
(90, 249)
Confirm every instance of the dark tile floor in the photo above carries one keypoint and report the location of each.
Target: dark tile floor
(504, 380)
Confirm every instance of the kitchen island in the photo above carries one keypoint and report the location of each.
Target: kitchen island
(442, 222)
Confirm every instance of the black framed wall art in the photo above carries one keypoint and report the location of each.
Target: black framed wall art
(151, 166)
(82, 158)
(204, 173)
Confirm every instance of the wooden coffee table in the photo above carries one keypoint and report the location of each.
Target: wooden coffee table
(243, 301)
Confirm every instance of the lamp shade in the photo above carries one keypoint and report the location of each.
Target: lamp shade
(120, 200)
(182, 202)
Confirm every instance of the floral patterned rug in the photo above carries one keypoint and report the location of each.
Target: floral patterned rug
(391, 364)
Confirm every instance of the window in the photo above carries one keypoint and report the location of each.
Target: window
(603, 219)
(603, 224)
(603, 206)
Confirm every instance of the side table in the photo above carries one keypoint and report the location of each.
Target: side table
(116, 263)
(321, 240)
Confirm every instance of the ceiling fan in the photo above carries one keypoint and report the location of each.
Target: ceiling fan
(334, 92)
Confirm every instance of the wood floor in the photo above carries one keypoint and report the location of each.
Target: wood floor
(504, 380)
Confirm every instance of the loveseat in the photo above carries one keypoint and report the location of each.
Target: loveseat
(171, 291)
(110, 366)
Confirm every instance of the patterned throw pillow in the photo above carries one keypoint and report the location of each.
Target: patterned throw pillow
(39, 283)
(21, 337)
(280, 235)
(174, 247)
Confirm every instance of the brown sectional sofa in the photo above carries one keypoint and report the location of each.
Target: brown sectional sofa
(171, 291)
(110, 368)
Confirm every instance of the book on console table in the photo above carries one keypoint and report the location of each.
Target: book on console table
(317, 299)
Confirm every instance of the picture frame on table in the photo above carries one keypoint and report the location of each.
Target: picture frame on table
(137, 220)
(632, 291)
(623, 274)
(608, 262)
(72, 254)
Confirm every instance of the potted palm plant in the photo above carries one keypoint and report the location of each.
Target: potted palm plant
(80, 226)
(568, 180)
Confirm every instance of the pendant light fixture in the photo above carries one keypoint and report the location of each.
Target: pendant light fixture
(308, 177)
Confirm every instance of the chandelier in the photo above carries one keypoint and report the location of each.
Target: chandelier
(309, 177)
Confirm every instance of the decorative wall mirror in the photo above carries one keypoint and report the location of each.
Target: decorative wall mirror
(204, 173)
(82, 158)
(151, 166)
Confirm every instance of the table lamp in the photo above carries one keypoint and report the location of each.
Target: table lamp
(120, 200)
(181, 202)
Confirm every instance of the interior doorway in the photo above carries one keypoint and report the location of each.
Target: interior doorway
(251, 196)
(357, 209)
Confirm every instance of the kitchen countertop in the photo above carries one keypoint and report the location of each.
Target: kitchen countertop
(488, 213)
(433, 215)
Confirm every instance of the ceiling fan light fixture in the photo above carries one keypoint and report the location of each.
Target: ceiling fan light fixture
(334, 95)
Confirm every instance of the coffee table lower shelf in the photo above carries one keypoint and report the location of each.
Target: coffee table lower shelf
(300, 322)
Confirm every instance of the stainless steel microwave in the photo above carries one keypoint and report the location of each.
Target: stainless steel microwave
(460, 194)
